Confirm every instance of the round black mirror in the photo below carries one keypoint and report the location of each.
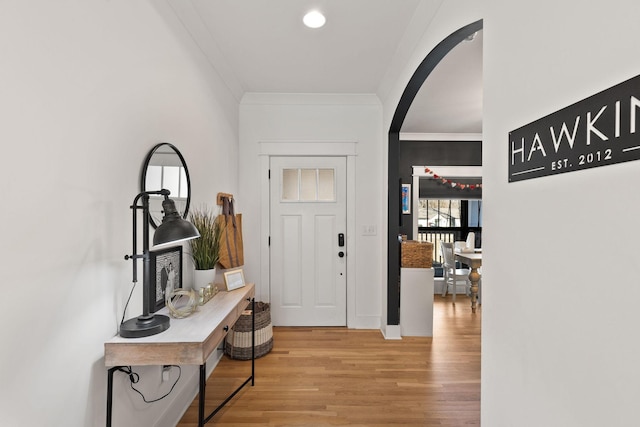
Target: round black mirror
(164, 167)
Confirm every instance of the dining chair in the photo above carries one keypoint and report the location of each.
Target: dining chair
(453, 275)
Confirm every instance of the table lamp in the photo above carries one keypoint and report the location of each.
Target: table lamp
(172, 231)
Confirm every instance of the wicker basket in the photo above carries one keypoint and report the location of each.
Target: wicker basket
(238, 342)
(416, 254)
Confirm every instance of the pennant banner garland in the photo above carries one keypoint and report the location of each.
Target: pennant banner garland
(451, 183)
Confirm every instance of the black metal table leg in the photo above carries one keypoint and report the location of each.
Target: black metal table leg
(250, 379)
(253, 341)
(203, 384)
(110, 372)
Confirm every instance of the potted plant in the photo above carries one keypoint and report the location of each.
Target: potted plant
(205, 251)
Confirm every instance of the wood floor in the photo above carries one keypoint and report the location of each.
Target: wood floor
(339, 376)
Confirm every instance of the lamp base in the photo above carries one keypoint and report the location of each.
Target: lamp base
(144, 326)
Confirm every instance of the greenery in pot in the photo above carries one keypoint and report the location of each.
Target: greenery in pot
(205, 250)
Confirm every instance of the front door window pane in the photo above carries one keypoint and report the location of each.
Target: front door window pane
(326, 185)
(290, 184)
(308, 185)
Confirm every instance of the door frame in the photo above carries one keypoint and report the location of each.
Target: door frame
(338, 148)
(394, 213)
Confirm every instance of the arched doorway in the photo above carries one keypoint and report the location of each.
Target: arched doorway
(394, 218)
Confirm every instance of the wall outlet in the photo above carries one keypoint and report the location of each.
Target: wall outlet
(165, 373)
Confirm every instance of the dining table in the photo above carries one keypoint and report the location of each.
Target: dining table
(474, 261)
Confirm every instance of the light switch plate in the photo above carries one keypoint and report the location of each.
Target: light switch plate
(369, 230)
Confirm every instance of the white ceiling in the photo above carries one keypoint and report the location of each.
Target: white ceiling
(263, 46)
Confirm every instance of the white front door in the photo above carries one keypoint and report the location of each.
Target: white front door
(308, 241)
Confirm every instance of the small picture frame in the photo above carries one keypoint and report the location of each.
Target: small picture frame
(234, 279)
(406, 198)
(165, 274)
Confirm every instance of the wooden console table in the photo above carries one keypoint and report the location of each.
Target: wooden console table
(188, 341)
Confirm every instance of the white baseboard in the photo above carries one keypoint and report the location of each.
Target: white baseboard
(366, 322)
(391, 332)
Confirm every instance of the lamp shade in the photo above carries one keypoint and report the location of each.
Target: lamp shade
(173, 229)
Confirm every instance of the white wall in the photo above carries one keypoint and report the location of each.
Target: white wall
(87, 88)
(313, 121)
(557, 349)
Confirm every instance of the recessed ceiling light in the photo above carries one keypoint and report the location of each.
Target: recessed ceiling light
(314, 19)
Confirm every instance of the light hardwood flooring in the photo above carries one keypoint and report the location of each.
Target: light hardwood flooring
(340, 376)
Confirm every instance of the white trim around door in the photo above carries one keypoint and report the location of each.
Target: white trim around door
(309, 148)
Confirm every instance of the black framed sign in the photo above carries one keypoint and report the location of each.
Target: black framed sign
(600, 130)
(166, 274)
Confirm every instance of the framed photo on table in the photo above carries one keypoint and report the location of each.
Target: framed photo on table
(234, 279)
(165, 275)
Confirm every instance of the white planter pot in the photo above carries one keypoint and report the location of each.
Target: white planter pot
(202, 278)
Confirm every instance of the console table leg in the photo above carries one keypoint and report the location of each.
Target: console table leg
(110, 372)
(253, 341)
(203, 382)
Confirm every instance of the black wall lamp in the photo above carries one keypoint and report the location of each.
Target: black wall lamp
(172, 231)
